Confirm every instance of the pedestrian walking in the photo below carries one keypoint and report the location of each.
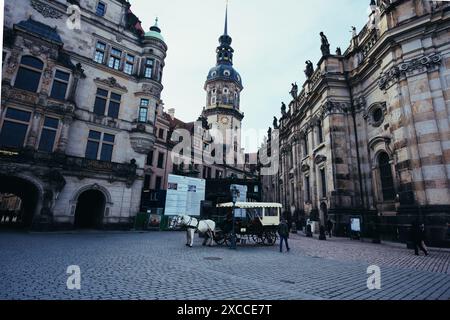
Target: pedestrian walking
(330, 226)
(283, 231)
(418, 238)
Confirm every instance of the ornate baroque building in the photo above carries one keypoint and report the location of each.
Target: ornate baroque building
(81, 84)
(368, 134)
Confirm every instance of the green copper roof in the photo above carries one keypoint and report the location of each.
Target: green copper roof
(155, 32)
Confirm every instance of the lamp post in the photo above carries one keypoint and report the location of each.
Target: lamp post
(235, 194)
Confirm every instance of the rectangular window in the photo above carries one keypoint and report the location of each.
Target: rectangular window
(100, 102)
(93, 145)
(48, 135)
(161, 134)
(158, 183)
(107, 147)
(307, 190)
(147, 181)
(27, 79)
(143, 110)
(143, 114)
(114, 59)
(60, 85)
(114, 105)
(101, 9)
(219, 174)
(305, 147)
(98, 141)
(15, 127)
(161, 160)
(100, 52)
(150, 158)
(323, 179)
(149, 68)
(129, 64)
(320, 132)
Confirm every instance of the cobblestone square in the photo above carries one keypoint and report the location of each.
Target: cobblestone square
(158, 266)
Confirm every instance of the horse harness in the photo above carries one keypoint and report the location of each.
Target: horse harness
(192, 227)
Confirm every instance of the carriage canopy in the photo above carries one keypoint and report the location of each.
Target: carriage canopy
(250, 205)
(267, 213)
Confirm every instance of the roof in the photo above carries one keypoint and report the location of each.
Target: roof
(224, 72)
(250, 205)
(40, 29)
(155, 32)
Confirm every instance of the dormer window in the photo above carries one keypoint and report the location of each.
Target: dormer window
(101, 9)
(227, 73)
(213, 74)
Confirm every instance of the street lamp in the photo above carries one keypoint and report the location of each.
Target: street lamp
(235, 194)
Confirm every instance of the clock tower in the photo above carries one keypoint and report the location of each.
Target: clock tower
(223, 88)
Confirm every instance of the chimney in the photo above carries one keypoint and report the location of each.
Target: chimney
(172, 113)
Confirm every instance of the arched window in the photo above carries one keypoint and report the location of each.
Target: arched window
(29, 74)
(387, 180)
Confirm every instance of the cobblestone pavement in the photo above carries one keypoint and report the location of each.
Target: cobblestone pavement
(158, 266)
(385, 254)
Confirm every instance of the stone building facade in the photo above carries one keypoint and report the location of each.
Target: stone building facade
(81, 84)
(368, 134)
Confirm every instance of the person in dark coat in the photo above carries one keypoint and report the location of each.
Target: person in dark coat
(283, 231)
(418, 238)
(330, 227)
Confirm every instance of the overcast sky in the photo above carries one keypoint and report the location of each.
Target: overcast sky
(272, 40)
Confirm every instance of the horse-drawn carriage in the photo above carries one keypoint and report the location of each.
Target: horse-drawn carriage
(258, 223)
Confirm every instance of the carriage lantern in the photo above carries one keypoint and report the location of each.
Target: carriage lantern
(235, 194)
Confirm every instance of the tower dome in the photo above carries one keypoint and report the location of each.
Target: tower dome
(155, 32)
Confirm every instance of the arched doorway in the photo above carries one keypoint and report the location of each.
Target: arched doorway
(19, 202)
(90, 210)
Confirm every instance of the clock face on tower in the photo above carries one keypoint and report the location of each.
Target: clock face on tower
(224, 120)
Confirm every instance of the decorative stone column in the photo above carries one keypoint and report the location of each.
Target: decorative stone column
(34, 130)
(11, 67)
(64, 136)
(78, 73)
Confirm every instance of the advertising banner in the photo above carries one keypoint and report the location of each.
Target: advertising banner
(184, 196)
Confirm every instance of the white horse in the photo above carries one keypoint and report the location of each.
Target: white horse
(206, 227)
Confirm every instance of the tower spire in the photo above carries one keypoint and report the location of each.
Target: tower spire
(226, 20)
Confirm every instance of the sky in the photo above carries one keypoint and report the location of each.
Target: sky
(272, 40)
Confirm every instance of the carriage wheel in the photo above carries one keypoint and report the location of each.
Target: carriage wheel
(269, 239)
(220, 239)
(258, 239)
(228, 239)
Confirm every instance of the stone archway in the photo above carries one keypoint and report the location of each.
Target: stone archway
(90, 210)
(20, 201)
(90, 205)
